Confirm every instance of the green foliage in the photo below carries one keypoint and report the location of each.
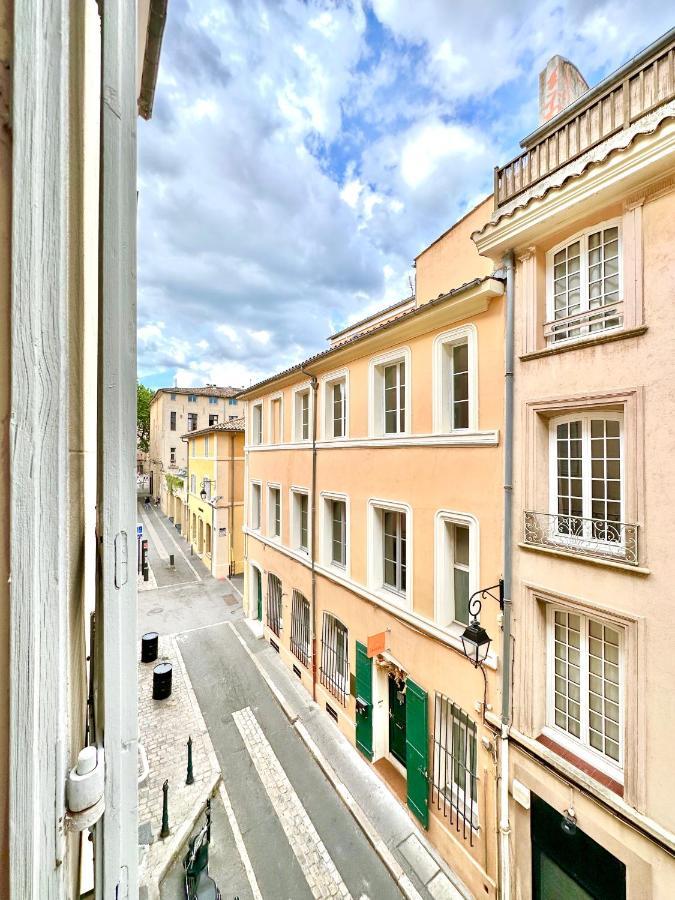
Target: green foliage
(143, 399)
(173, 483)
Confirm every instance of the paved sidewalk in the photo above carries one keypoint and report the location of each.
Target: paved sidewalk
(401, 844)
(164, 728)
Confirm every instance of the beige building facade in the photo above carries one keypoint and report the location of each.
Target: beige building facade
(175, 411)
(374, 478)
(588, 210)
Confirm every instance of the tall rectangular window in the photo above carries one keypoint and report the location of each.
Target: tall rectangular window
(454, 769)
(172, 456)
(274, 503)
(193, 484)
(394, 398)
(257, 424)
(304, 529)
(255, 506)
(274, 604)
(460, 571)
(300, 520)
(206, 445)
(172, 425)
(585, 681)
(192, 421)
(300, 628)
(302, 426)
(277, 420)
(459, 386)
(335, 657)
(338, 392)
(394, 550)
(338, 533)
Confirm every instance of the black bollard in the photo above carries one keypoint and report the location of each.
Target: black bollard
(149, 646)
(172, 564)
(190, 775)
(161, 681)
(165, 811)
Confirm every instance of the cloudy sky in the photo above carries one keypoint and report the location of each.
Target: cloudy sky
(301, 154)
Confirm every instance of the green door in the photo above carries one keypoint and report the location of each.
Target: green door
(364, 706)
(397, 707)
(417, 751)
(259, 580)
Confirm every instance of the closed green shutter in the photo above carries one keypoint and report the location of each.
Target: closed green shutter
(364, 692)
(417, 750)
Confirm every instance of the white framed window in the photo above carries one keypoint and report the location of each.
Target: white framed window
(334, 672)
(302, 412)
(192, 421)
(390, 394)
(257, 423)
(172, 456)
(585, 684)
(586, 479)
(300, 628)
(457, 566)
(274, 511)
(585, 284)
(193, 484)
(455, 772)
(390, 550)
(256, 505)
(276, 425)
(300, 522)
(335, 406)
(455, 380)
(335, 531)
(206, 445)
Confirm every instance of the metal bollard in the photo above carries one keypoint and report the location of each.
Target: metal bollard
(165, 810)
(146, 574)
(190, 774)
(172, 564)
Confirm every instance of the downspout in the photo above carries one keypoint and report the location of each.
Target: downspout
(312, 550)
(188, 524)
(504, 824)
(230, 523)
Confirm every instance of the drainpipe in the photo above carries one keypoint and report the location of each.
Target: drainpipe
(231, 513)
(186, 514)
(315, 387)
(504, 825)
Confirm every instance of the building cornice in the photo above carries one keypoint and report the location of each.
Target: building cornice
(485, 438)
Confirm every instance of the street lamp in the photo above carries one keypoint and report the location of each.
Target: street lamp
(475, 639)
(205, 481)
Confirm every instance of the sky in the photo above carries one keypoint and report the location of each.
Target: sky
(301, 153)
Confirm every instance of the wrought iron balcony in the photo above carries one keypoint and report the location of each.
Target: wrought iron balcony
(587, 537)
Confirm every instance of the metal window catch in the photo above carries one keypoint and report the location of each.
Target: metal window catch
(85, 789)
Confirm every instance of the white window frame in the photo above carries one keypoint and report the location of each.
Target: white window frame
(375, 537)
(441, 390)
(256, 439)
(579, 746)
(298, 392)
(193, 484)
(582, 237)
(252, 522)
(443, 557)
(295, 494)
(328, 383)
(585, 416)
(205, 454)
(276, 439)
(376, 368)
(326, 537)
(270, 525)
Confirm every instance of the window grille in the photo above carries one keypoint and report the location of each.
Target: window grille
(300, 630)
(335, 658)
(274, 603)
(453, 787)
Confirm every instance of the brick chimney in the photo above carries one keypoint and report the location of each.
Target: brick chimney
(560, 83)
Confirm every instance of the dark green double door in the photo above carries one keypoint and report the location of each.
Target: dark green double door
(408, 730)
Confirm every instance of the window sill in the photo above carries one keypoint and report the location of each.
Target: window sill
(587, 342)
(580, 763)
(591, 560)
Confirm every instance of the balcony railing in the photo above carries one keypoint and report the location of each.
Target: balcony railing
(606, 112)
(588, 322)
(587, 537)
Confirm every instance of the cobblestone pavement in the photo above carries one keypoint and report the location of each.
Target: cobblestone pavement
(322, 876)
(164, 729)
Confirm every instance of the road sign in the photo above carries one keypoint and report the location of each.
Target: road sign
(139, 531)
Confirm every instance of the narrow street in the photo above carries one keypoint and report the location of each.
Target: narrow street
(279, 828)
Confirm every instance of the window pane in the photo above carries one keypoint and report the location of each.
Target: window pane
(461, 544)
(461, 588)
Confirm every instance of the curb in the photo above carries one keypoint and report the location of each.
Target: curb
(395, 869)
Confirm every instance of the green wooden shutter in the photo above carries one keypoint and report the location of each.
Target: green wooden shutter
(417, 749)
(364, 691)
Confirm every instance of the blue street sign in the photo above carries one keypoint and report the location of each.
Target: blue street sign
(139, 531)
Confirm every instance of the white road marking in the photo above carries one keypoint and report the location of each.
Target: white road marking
(239, 841)
(322, 876)
(179, 548)
(157, 542)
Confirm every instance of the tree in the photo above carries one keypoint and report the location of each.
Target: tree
(143, 399)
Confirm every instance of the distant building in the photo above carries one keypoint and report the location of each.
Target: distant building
(175, 411)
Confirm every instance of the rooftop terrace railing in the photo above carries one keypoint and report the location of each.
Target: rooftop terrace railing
(624, 99)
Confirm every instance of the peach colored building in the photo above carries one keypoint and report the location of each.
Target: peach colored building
(587, 215)
(173, 412)
(374, 479)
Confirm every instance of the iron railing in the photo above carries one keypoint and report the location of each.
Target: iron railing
(274, 603)
(334, 673)
(454, 780)
(300, 631)
(651, 84)
(590, 537)
(588, 322)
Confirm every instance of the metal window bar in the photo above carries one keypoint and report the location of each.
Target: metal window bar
(334, 672)
(454, 780)
(274, 603)
(300, 637)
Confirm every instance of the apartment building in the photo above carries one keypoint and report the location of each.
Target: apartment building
(374, 477)
(213, 491)
(587, 212)
(74, 78)
(173, 412)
